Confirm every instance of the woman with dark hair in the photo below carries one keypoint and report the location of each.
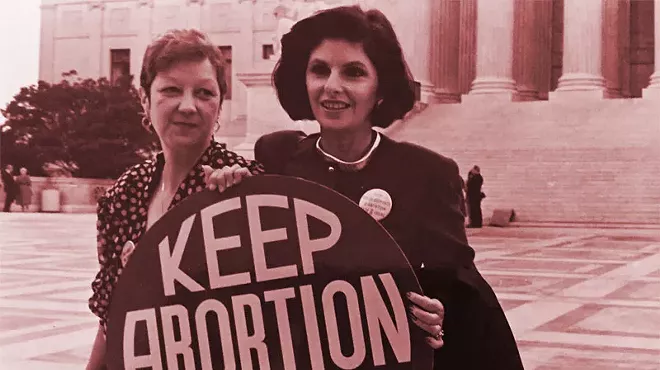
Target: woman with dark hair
(336, 28)
(344, 68)
(181, 90)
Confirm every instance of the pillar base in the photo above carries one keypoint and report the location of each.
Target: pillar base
(485, 89)
(653, 90)
(580, 82)
(427, 91)
(492, 85)
(579, 86)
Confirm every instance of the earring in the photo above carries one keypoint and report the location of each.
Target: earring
(147, 124)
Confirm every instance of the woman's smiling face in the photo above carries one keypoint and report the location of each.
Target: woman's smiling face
(342, 85)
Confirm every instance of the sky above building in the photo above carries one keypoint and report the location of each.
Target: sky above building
(19, 42)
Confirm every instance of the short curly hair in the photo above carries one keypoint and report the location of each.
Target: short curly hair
(178, 45)
(396, 86)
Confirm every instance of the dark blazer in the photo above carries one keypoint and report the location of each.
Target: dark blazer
(427, 222)
(474, 184)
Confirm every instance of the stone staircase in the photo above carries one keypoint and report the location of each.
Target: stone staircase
(565, 161)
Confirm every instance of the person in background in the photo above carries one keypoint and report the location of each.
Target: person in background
(181, 90)
(464, 203)
(344, 68)
(9, 184)
(474, 197)
(24, 184)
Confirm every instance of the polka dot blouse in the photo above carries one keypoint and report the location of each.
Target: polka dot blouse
(122, 213)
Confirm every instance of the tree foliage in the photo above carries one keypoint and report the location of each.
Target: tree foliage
(91, 124)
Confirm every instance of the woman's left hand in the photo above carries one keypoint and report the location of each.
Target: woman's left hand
(428, 314)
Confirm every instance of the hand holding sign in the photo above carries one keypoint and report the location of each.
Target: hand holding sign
(279, 273)
(224, 177)
(428, 314)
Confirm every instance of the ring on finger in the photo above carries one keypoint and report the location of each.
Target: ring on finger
(439, 334)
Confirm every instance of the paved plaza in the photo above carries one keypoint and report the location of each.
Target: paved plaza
(576, 298)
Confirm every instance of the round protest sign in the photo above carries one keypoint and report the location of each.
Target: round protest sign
(274, 273)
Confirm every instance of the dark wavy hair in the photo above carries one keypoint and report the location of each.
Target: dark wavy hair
(350, 23)
(181, 45)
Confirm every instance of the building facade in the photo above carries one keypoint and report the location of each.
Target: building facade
(517, 46)
(574, 85)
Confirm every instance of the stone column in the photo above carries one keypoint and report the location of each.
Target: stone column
(47, 44)
(467, 49)
(445, 30)
(194, 13)
(582, 62)
(142, 24)
(653, 91)
(96, 54)
(527, 62)
(412, 25)
(494, 50)
(244, 57)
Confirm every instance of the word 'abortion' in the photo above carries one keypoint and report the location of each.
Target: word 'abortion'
(180, 331)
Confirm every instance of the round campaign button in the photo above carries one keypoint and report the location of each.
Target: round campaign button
(377, 203)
